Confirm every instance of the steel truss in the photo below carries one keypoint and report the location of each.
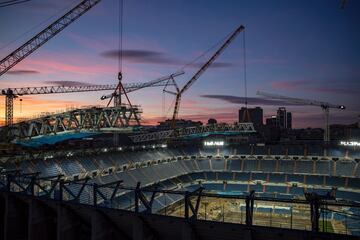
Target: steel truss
(182, 132)
(129, 87)
(90, 119)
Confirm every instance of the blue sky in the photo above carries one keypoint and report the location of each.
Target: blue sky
(306, 49)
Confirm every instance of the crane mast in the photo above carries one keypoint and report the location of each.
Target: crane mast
(201, 71)
(325, 106)
(45, 35)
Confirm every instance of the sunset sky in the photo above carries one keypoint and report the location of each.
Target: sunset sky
(305, 49)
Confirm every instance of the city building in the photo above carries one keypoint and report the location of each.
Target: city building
(272, 121)
(254, 115)
(281, 118)
(288, 120)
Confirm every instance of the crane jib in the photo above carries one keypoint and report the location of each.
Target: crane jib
(45, 35)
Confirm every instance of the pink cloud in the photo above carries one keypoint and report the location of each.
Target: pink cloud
(289, 85)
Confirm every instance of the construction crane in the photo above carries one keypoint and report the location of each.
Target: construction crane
(45, 35)
(153, 83)
(325, 106)
(200, 72)
(12, 93)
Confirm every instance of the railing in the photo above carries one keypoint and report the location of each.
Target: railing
(314, 214)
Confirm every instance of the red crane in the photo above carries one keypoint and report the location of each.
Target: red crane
(200, 72)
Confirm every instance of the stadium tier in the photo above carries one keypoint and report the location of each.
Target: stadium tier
(226, 172)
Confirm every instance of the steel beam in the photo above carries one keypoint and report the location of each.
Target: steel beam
(182, 132)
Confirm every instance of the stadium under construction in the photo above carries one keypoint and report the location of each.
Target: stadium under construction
(99, 173)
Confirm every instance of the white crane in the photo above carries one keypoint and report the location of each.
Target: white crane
(325, 106)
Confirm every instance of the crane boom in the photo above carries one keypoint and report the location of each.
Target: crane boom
(299, 100)
(45, 35)
(325, 106)
(201, 71)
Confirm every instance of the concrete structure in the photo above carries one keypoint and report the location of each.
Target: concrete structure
(271, 122)
(28, 217)
(281, 117)
(254, 115)
(288, 120)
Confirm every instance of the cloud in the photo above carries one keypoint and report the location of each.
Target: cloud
(155, 57)
(67, 83)
(289, 85)
(250, 100)
(69, 64)
(140, 56)
(22, 72)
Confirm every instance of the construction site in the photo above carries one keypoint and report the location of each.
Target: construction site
(186, 154)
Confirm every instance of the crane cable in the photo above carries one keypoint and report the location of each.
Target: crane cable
(189, 64)
(120, 35)
(244, 60)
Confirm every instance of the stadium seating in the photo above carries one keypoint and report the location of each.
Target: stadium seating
(268, 165)
(304, 167)
(345, 167)
(324, 167)
(173, 168)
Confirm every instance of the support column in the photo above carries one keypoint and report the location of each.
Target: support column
(42, 221)
(103, 229)
(2, 216)
(315, 214)
(187, 233)
(70, 226)
(141, 230)
(249, 208)
(16, 218)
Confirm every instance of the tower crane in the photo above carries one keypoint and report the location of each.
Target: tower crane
(12, 93)
(153, 83)
(200, 72)
(325, 106)
(45, 35)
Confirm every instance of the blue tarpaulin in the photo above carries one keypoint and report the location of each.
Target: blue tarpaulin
(52, 139)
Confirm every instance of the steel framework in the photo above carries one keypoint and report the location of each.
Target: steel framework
(45, 35)
(104, 195)
(9, 108)
(182, 132)
(90, 119)
(11, 93)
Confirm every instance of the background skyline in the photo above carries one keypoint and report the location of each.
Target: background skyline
(302, 49)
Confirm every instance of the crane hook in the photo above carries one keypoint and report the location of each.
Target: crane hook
(120, 76)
